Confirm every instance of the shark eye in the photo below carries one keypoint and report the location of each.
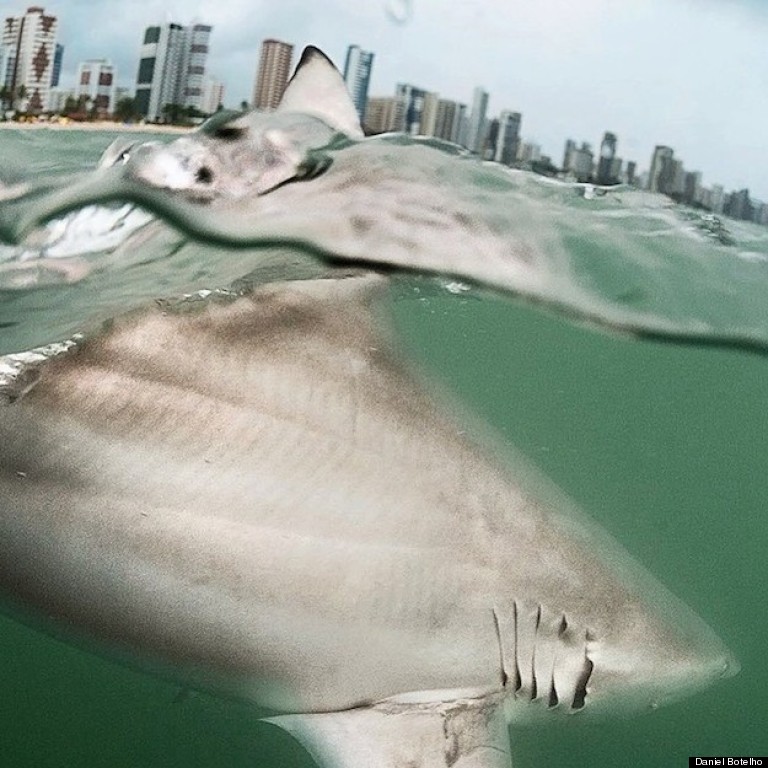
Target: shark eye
(204, 175)
(228, 132)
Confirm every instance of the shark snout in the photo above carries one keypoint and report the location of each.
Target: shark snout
(654, 664)
(182, 166)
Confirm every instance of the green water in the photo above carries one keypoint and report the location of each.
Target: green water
(664, 445)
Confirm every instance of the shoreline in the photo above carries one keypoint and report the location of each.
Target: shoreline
(97, 125)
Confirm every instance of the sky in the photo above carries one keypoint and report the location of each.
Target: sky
(691, 74)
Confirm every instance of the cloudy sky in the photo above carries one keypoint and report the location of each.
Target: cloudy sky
(692, 74)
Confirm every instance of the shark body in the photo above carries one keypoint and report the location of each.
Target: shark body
(261, 494)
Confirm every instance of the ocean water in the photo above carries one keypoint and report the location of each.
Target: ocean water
(623, 352)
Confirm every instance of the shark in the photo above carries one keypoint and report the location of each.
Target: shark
(260, 493)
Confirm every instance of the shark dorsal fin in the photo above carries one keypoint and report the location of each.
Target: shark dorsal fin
(317, 88)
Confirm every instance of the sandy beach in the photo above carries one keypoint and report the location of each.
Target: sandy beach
(96, 125)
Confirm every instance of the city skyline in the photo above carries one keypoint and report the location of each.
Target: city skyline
(716, 129)
(685, 73)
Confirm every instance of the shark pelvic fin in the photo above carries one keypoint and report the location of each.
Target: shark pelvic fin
(458, 734)
(317, 88)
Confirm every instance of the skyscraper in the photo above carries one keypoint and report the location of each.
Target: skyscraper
(30, 44)
(412, 100)
(357, 76)
(5, 66)
(508, 139)
(631, 172)
(96, 81)
(382, 114)
(213, 96)
(605, 163)
(476, 135)
(196, 55)
(579, 161)
(661, 175)
(272, 74)
(58, 58)
(171, 68)
(445, 120)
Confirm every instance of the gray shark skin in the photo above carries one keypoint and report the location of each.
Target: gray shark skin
(262, 495)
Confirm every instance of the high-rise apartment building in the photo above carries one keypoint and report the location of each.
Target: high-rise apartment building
(171, 68)
(412, 100)
(5, 66)
(272, 74)
(662, 172)
(213, 96)
(29, 42)
(429, 114)
(96, 80)
(197, 46)
(382, 115)
(477, 121)
(357, 76)
(579, 161)
(508, 138)
(529, 152)
(445, 120)
(58, 59)
(631, 173)
(605, 163)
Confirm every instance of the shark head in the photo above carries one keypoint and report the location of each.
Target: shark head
(235, 155)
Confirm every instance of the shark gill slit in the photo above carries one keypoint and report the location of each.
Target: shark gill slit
(580, 691)
(534, 684)
(518, 681)
(554, 699)
(504, 676)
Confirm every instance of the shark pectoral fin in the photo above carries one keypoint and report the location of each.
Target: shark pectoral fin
(458, 734)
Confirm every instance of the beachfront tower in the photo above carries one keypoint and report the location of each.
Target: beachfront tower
(477, 120)
(357, 76)
(272, 74)
(29, 42)
(171, 69)
(661, 175)
(605, 173)
(58, 60)
(508, 138)
(96, 80)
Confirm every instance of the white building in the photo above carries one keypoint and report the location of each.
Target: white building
(29, 44)
(57, 99)
(171, 68)
(196, 54)
(213, 96)
(477, 121)
(529, 152)
(96, 81)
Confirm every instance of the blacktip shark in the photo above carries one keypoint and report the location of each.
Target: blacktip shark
(261, 494)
